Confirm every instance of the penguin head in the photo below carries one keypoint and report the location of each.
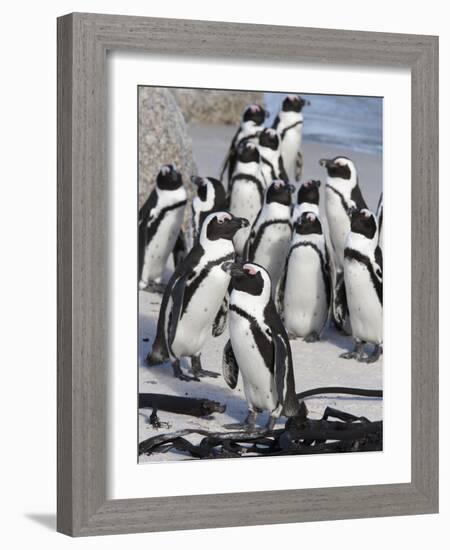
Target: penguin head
(294, 103)
(279, 191)
(269, 138)
(255, 113)
(209, 189)
(249, 278)
(308, 224)
(339, 167)
(364, 223)
(221, 225)
(309, 192)
(248, 152)
(168, 178)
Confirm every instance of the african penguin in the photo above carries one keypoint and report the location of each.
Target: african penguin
(306, 286)
(289, 125)
(342, 195)
(363, 273)
(160, 220)
(210, 197)
(246, 190)
(268, 243)
(380, 221)
(258, 347)
(307, 199)
(272, 166)
(194, 295)
(252, 123)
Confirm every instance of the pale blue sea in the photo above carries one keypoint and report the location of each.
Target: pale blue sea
(351, 121)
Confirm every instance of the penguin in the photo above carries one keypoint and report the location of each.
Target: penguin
(306, 285)
(246, 192)
(380, 221)
(289, 125)
(160, 220)
(363, 273)
(258, 347)
(271, 160)
(251, 125)
(307, 199)
(342, 195)
(268, 243)
(194, 295)
(211, 197)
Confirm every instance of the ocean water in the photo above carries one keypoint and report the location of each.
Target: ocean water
(353, 122)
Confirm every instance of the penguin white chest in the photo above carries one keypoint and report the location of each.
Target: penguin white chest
(305, 297)
(338, 223)
(290, 147)
(272, 249)
(366, 312)
(195, 323)
(245, 203)
(259, 385)
(162, 244)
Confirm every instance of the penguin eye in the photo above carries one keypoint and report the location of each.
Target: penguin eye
(220, 221)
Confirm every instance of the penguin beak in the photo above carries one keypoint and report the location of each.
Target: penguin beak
(326, 162)
(197, 180)
(233, 269)
(352, 209)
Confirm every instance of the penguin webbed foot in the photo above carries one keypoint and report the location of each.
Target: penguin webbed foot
(152, 286)
(374, 356)
(357, 353)
(178, 373)
(198, 371)
(155, 357)
(249, 424)
(311, 338)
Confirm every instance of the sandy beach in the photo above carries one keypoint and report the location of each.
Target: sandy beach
(315, 364)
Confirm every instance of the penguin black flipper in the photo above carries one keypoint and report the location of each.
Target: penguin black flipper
(282, 170)
(357, 197)
(142, 239)
(275, 122)
(143, 217)
(220, 321)
(230, 160)
(177, 294)
(146, 208)
(281, 289)
(180, 249)
(283, 367)
(230, 367)
(379, 259)
(327, 276)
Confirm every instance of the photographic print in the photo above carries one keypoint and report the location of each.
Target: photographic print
(260, 286)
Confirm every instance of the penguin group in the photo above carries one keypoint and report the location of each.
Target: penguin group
(264, 257)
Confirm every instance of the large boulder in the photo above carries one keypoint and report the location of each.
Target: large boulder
(214, 106)
(163, 138)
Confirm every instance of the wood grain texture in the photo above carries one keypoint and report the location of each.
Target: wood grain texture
(83, 40)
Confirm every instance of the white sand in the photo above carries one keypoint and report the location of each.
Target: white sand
(315, 364)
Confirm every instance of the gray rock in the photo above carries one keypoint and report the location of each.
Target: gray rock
(214, 106)
(163, 139)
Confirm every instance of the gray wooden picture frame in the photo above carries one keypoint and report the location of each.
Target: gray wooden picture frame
(83, 42)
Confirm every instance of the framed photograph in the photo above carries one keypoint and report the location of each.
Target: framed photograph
(247, 271)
